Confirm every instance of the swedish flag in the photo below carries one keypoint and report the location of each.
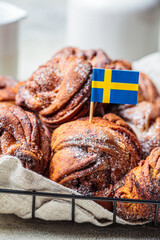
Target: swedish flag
(114, 86)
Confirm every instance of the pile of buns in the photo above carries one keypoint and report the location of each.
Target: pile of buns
(44, 122)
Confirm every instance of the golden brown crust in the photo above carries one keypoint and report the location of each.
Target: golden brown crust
(22, 136)
(142, 182)
(139, 115)
(98, 58)
(58, 90)
(113, 118)
(147, 90)
(118, 65)
(107, 192)
(7, 88)
(148, 104)
(150, 139)
(87, 156)
(145, 120)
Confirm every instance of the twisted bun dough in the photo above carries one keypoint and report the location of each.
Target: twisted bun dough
(23, 137)
(147, 93)
(98, 58)
(144, 118)
(150, 139)
(140, 115)
(142, 182)
(147, 90)
(8, 88)
(59, 90)
(118, 65)
(88, 157)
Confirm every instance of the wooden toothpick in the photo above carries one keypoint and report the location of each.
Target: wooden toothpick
(91, 111)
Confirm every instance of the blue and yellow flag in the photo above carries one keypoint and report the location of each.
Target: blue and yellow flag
(114, 86)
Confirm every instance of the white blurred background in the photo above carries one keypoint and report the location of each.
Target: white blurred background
(43, 32)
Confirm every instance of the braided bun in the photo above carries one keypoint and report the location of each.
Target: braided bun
(23, 137)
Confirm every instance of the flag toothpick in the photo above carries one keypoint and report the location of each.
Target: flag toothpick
(91, 111)
(113, 86)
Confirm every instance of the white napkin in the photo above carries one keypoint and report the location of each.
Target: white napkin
(14, 176)
(151, 66)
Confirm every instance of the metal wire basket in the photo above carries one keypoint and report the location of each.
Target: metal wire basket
(73, 197)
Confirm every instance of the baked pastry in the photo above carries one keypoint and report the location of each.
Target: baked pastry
(8, 88)
(142, 182)
(144, 118)
(98, 58)
(58, 91)
(118, 65)
(147, 90)
(140, 115)
(87, 157)
(23, 137)
(150, 139)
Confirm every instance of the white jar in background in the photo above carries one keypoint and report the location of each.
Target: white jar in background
(10, 16)
(126, 29)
